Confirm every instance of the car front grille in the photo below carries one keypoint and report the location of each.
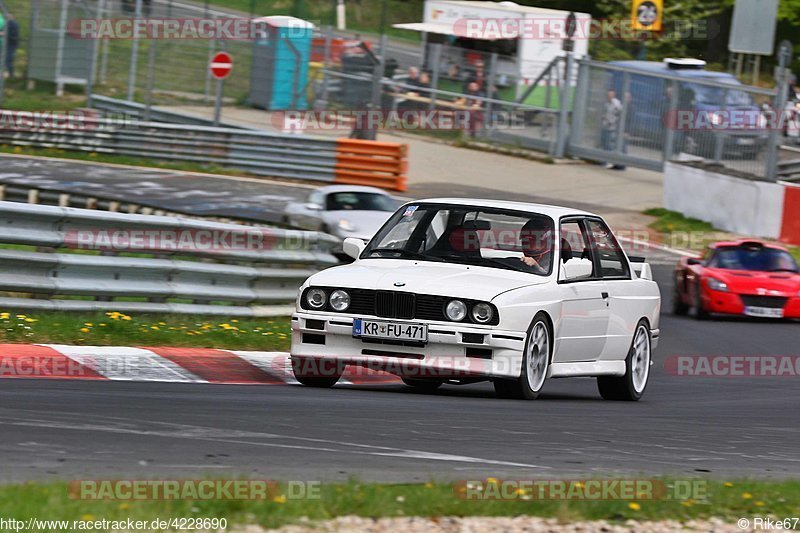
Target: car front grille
(398, 304)
(772, 302)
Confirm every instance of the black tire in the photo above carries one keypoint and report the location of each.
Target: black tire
(316, 373)
(698, 310)
(524, 388)
(625, 388)
(426, 385)
(678, 306)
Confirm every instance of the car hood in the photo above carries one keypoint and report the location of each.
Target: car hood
(763, 283)
(366, 223)
(423, 277)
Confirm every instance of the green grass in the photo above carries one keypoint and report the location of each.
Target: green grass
(690, 233)
(121, 329)
(728, 501)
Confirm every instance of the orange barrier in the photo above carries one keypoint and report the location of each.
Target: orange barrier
(790, 227)
(373, 163)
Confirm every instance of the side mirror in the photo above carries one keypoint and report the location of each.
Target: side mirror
(693, 261)
(353, 247)
(576, 269)
(311, 206)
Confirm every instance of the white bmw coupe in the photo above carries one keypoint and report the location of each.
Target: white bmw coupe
(463, 290)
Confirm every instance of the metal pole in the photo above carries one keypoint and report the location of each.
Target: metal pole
(623, 117)
(326, 62)
(580, 103)
(489, 85)
(31, 32)
(563, 132)
(218, 104)
(720, 136)
(669, 141)
(93, 67)
(384, 7)
(134, 55)
(207, 90)
(3, 45)
(784, 58)
(62, 33)
(151, 62)
(436, 53)
(756, 69)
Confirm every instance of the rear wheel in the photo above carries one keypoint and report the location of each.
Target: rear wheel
(631, 386)
(427, 385)
(535, 363)
(314, 372)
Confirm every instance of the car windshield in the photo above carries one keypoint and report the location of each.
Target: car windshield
(359, 201)
(753, 258)
(705, 94)
(482, 236)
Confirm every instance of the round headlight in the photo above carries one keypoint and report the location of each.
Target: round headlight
(340, 300)
(482, 313)
(316, 298)
(456, 310)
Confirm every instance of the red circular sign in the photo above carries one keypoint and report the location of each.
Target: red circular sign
(221, 65)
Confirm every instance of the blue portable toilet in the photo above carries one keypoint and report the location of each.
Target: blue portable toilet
(279, 72)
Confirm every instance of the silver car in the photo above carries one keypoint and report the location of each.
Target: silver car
(342, 210)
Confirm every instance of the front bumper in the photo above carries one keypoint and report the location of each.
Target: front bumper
(446, 355)
(730, 303)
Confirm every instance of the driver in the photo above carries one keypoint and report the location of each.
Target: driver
(536, 238)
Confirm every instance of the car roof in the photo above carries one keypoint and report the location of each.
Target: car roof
(657, 66)
(552, 211)
(349, 188)
(740, 242)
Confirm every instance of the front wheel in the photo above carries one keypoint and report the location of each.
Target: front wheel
(698, 310)
(631, 386)
(535, 363)
(318, 373)
(678, 306)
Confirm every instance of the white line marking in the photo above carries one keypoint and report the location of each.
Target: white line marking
(183, 431)
(273, 363)
(127, 364)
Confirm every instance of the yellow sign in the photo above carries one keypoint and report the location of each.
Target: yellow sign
(647, 14)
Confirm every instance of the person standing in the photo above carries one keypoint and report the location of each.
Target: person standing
(612, 109)
(12, 43)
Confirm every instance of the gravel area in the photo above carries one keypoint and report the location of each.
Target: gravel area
(483, 524)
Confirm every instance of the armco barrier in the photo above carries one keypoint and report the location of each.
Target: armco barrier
(258, 276)
(748, 207)
(257, 152)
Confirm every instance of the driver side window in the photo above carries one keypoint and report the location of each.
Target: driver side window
(575, 251)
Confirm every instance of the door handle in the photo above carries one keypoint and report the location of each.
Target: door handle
(604, 295)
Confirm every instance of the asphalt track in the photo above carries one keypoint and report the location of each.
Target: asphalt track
(684, 426)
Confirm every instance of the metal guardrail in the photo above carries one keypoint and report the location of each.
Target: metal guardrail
(139, 111)
(789, 169)
(177, 265)
(257, 152)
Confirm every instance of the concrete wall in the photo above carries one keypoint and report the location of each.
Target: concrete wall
(732, 204)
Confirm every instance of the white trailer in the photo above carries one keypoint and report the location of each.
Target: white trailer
(533, 36)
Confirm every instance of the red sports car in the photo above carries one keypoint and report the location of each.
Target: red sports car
(739, 278)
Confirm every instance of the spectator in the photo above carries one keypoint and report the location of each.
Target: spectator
(477, 76)
(424, 83)
(628, 129)
(12, 43)
(413, 78)
(612, 110)
(472, 100)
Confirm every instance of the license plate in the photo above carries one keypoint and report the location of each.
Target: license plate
(768, 312)
(400, 331)
(745, 142)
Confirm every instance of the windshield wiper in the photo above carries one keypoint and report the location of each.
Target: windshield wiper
(405, 253)
(783, 270)
(491, 260)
